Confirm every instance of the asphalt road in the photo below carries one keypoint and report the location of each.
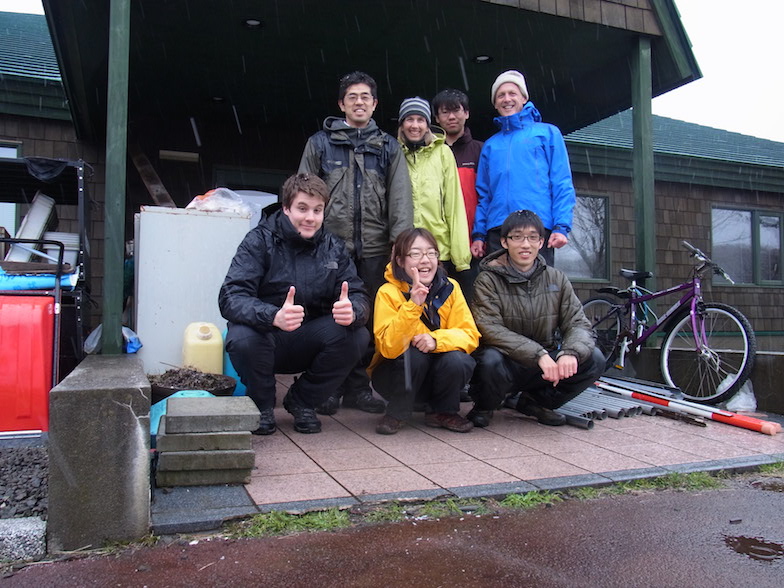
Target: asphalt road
(726, 537)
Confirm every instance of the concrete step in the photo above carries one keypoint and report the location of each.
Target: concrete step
(215, 441)
(206, 460)
(202, 477)
(206, 415)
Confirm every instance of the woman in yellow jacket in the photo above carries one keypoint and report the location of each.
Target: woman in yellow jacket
(438, 200)
(422, 314)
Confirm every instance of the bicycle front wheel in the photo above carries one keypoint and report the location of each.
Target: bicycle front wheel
(711, 365)
(605, 318)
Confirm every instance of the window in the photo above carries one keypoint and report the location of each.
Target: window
(747, 244)
(585, 257)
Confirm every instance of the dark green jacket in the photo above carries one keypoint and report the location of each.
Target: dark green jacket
(525, 318)
(370, 191)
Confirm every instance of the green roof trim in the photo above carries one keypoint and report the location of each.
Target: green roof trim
(30, 82)
(683, 152)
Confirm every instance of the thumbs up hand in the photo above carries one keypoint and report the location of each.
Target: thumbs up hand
(290, 315)
(342, 309)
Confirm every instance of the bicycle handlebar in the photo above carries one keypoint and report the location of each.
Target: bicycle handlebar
(701, 257)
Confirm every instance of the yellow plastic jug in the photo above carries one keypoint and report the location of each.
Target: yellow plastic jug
(202, 348)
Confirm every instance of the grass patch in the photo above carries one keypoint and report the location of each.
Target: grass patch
(386, 513)
(451, 507)
(773, 469)
(282, 523)
(676, 481)
(530, 499)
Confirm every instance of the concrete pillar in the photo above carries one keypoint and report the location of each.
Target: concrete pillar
(99, 454)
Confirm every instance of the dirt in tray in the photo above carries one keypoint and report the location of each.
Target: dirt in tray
(188, 379)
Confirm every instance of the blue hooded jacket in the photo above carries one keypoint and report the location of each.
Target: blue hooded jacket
(524, 166)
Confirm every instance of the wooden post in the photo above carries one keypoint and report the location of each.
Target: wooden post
(116, 158)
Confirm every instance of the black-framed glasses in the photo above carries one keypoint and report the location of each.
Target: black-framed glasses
(517, 237)
(416, 254)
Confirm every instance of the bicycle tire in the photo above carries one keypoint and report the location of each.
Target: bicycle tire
(605, 318)
(717, 371)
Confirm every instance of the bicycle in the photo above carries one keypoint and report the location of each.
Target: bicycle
(708, 349)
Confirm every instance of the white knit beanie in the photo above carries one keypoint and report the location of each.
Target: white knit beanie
(513, 76)
(414, 105)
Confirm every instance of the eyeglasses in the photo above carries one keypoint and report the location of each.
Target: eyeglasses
(352, 98)
(416, 254)
(517, 237)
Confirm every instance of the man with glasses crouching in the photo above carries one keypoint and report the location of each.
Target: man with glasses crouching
(535, 336)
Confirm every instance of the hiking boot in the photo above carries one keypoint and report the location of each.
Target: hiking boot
(305, 419)
(513, 400)
(448, 420)
(364, 401)
(480, 418)
(266, 423)
(329, 406)
(542, 414)
(389, 425)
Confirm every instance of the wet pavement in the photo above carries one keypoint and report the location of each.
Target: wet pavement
(726, 537)
(349, 464)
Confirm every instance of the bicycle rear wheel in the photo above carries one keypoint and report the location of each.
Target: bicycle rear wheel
(605, 318)
(716, 369)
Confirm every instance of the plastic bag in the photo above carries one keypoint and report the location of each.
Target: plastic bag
(220, 200)
(743, 400)
(131, 341)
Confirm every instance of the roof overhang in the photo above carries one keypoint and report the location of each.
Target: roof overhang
(200, 61)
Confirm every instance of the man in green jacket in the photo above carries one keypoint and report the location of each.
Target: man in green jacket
(535, 336)
(370, 202)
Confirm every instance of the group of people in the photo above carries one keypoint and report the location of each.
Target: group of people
(440, 245)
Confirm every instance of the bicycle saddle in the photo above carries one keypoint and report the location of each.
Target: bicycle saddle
(635, 275)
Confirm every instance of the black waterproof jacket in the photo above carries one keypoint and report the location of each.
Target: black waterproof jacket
(273, 257)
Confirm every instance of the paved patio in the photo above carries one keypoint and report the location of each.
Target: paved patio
(348, 463)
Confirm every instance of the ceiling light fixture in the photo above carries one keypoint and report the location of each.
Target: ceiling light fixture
(481, 59)
(253, 23)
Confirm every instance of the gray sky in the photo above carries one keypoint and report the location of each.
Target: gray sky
(739, 48)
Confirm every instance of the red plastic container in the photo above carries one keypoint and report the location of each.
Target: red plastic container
(26, 346)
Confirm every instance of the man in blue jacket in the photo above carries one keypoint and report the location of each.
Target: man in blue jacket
(523, 166)
(294, 303)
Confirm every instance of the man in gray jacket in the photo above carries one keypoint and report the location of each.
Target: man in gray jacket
(370, 201)
(535, 336)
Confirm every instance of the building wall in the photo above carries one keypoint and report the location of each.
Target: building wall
(683, 212)
(41, 137)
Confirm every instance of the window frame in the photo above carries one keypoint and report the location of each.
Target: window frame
(607, 244)
(756, 258)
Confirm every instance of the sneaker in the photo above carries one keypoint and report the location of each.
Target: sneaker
(364, 401)
(329, 407)
(305, 419)
(266, 423)
(480, 418)
(542, 414)
(389, 425)
(465, 395)
(450, 421)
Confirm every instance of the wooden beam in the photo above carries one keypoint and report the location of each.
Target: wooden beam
(155, 187)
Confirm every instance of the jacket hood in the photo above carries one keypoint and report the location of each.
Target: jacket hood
(334, 124)
(529, 114)
(498, 263)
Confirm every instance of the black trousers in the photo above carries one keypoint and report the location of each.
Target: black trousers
(493, 243)
(497, 376)
(323, 350)
(371, 271)
(436, 378)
